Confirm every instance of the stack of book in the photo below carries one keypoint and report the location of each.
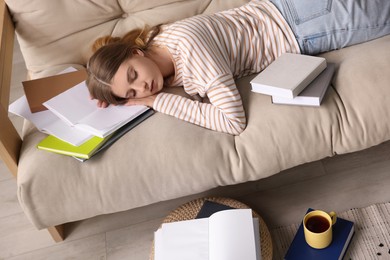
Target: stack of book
(342, 233)
(295, 79)
(61, 107)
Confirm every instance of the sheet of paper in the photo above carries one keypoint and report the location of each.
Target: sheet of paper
(158, 250)
(231, 235)
(49, 123)
(183, 240)
(76, 108)
(111, 117)
(72, 105)
(257, 238)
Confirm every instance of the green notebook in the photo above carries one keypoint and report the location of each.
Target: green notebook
(85, 150)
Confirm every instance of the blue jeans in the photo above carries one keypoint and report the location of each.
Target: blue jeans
(324, 25)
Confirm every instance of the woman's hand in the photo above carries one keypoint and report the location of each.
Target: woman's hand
(102, 104)
(146, 101)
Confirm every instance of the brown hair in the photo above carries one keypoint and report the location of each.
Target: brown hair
(109, 53)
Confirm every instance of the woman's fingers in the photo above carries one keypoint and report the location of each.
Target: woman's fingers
(147, 101)
(102, 104)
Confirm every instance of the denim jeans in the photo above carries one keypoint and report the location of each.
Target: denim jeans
(324, 25)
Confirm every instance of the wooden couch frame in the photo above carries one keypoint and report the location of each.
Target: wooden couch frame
(10, 141)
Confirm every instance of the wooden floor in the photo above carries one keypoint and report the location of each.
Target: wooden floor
(362, 179)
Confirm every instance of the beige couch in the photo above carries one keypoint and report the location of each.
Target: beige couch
(165, 158)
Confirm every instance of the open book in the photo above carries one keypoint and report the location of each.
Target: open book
(226, 235)
(75, 107)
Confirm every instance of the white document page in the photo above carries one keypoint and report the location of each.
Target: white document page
(257, 238)
(183, 240)
(49, 123)
(231, 235)
(226, 235)
(105, 121)
(72, 105)
(76, 108)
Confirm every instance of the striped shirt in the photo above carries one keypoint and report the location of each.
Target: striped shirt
(210, 51)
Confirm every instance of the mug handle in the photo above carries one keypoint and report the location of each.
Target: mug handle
(333, 216)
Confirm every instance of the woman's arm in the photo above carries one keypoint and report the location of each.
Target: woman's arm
(225, 112)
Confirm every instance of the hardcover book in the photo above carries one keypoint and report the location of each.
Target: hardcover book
(288, 75)
(210, 207)
(313, 94)
(343, 231)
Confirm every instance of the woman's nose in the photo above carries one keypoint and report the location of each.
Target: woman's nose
(142, 86)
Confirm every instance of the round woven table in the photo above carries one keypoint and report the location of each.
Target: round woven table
(190, 209)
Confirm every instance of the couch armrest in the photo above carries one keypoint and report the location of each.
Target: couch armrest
(10, 141)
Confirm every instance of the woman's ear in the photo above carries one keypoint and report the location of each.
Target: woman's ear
(137, 51)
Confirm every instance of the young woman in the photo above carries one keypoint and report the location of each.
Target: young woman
(205, 53)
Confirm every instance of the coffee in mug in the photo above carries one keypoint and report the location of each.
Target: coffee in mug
(318, 228)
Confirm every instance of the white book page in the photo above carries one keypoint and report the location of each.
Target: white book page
(76, 108)
(72, 105)
(40, 119)
(184, 240)
(231, 235)
(158, 250)
(49, 123)
(103, 120)
(67, 133)
(257, 238)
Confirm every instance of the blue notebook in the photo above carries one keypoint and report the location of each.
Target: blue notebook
(343, 231)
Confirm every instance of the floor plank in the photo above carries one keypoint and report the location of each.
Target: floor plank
(90, 248)
(8, 199)
(4, 173)
(358, 187)
(18, 236)
(134, 241)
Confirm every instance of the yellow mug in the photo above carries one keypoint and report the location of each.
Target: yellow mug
(317, 226)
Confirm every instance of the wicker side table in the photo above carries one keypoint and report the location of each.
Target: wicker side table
(189, 211)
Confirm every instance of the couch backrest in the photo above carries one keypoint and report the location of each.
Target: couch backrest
(57, 34)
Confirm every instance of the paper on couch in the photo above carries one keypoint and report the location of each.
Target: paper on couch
(49, 123)
(76, 108)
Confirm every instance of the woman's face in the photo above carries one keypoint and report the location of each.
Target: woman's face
(137, 77)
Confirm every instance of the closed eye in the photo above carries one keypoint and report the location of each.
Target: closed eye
(131, 93)
(131, 75)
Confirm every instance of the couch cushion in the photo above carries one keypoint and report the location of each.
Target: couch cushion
(362, 85)
(54, 35)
